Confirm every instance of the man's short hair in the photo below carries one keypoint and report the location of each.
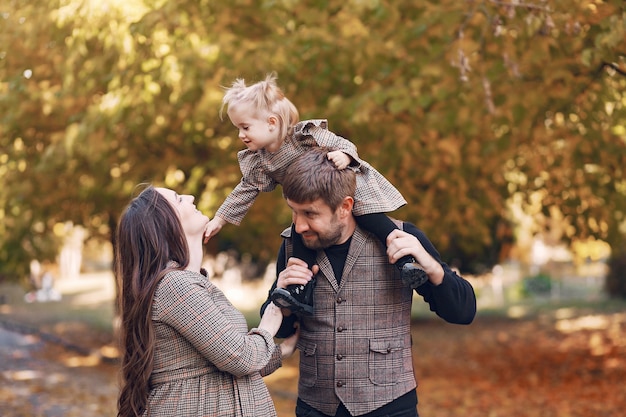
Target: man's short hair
(313, 176)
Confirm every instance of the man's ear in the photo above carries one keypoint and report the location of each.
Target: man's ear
(346, 206)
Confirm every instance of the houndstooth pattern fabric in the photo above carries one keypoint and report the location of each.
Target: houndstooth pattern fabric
(206, 361)
(262, 171)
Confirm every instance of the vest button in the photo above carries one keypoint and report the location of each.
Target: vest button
(340, 329)
(340, 300)
(339, 384)
(339, 356)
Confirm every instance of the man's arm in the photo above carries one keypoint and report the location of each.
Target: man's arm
(453, 299)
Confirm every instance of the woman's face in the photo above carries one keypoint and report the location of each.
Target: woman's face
(192, 220)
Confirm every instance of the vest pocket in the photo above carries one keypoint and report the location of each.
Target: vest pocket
(386, 361)
(308, 363)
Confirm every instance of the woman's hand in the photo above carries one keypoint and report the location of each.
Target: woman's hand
(288, 346)
(272, 319)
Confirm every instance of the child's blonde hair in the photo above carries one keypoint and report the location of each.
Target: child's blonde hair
(265, 96)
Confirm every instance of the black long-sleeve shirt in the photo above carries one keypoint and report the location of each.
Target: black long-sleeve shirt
(453, 300)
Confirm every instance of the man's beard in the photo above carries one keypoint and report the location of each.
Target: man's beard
(326, 240)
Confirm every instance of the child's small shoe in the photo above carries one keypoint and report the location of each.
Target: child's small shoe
(412, 273)
(297, 298)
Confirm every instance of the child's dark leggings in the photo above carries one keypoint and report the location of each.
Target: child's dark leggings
(377, 223)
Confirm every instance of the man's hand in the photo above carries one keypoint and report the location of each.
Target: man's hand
(296, 273)
(401, 243)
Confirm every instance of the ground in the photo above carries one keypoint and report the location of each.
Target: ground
(58, 359)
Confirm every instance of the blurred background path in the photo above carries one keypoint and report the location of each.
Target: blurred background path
(51, 353)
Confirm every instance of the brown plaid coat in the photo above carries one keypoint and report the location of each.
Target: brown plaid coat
(356, 348)
(262, 171)
(206, 362)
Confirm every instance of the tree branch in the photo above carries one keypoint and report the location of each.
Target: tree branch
(613, 66)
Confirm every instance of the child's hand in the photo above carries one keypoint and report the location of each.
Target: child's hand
(340, 159)
(212, 228)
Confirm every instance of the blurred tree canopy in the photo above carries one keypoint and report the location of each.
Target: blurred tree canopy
(467, 107)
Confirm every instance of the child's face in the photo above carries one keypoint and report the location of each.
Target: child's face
(255, 131)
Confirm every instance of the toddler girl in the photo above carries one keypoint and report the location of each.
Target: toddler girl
(269, 126)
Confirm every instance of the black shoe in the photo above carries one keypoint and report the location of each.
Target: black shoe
(297, 298)
(412, 273)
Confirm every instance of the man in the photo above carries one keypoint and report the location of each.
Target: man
(355, 350)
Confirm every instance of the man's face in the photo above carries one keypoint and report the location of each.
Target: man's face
(319, 226)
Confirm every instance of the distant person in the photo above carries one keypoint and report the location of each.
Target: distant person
(187, 351)
(269, 126)
(42, 281)
(356, 349)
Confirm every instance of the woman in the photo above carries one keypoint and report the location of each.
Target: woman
(187, 350)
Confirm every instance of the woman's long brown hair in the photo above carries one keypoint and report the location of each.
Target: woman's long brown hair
(149, 236)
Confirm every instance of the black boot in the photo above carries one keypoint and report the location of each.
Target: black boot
(413, 275)
(297, 298)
